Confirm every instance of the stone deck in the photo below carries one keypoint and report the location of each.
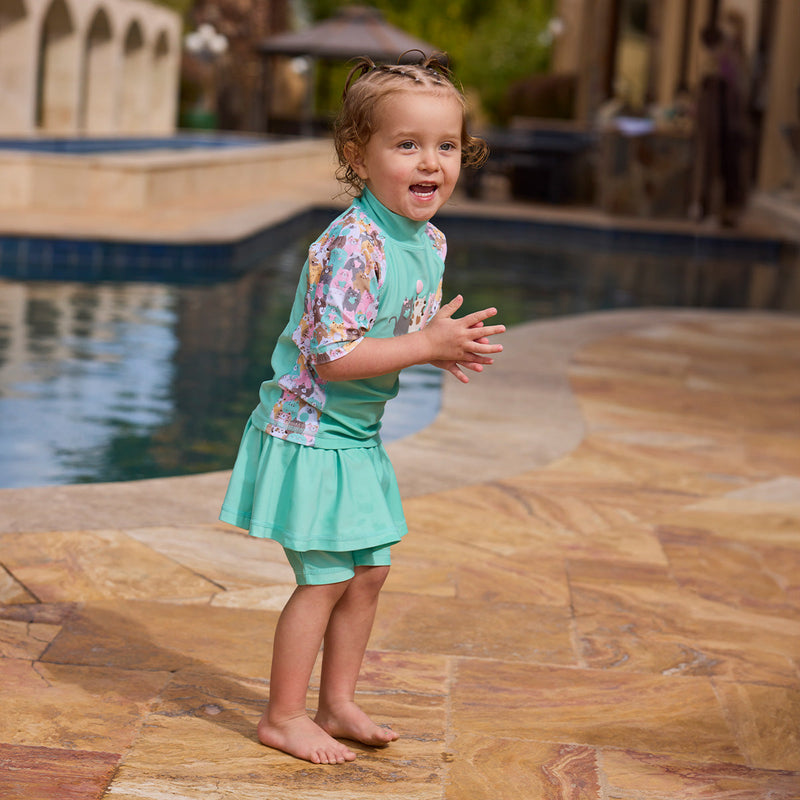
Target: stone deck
(599, 598)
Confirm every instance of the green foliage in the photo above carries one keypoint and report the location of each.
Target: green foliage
(491, 44)
(182, 7)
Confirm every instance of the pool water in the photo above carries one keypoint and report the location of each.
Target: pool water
(111, 380)
(92, 145)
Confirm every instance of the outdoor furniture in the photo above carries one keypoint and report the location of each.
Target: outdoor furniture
(544, 161)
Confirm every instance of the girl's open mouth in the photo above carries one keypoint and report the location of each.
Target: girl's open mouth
(424, 190)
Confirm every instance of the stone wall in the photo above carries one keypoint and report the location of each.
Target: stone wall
(88, 67)
(209, 178)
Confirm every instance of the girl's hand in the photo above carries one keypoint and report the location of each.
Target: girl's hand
(450, 344)
(463, 342)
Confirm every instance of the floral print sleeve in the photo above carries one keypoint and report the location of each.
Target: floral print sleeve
(437, 240)
(344, 279)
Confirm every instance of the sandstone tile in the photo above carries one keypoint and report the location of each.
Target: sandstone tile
(594, 499)
(627, 543)
(260, 598)
(595, 374)
(393, 672)
(38, 613)
(222, 555)
(74, 707)
(618, 572)
(437, 565)
(712, 455)
(200, 737)
(637, 430)
(744, 574)
(774, 454)
(529, 579)
(44, 773)
(635, 644)
(166, 636)
(662, 477)
(340, 782)
(483, 767)
(180, 500)
(12, 591)
(766, 722)
(647, 359)
(756, 413)
(430, 577)
(679, 716)
(425, 562)
(25, 640)
(634, 775)
(492, 516)
(739, 521)
(549, 510)
(413, 623)
(619, 620)
(92, 565)
(225, 701)
(781, 491)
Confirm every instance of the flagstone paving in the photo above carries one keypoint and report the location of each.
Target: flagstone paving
(598, 599)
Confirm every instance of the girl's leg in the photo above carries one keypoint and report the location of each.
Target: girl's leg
(345, 643)
(298, 636)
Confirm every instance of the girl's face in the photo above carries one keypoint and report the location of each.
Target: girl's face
(412, 160)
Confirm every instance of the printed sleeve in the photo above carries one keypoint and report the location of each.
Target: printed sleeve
(437, 240)
(345, 271)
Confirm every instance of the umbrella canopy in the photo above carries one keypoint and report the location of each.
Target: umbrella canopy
(353, 31)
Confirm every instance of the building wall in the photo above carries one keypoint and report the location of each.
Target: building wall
(779, 166)
(88, 67)
(678, 54)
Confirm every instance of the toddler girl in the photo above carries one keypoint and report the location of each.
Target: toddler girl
(311, 472)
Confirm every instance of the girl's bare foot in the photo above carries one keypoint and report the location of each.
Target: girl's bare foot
(348, 721)
(302, 738)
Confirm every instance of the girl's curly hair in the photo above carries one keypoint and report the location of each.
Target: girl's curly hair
(369, 83)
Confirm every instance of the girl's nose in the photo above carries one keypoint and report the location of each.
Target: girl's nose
(429, 160)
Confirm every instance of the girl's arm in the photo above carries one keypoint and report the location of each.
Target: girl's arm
(446, 342)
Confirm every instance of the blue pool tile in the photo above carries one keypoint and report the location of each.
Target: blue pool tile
(32, 257)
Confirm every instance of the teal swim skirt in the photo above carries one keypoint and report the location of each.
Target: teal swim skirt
(310, 498)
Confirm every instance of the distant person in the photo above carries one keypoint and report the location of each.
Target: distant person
(311, 472)
(721, 168)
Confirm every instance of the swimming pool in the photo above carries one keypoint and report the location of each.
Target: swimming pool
(88, 145)
(130, 367)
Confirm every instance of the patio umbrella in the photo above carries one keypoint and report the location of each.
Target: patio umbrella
(353, 31)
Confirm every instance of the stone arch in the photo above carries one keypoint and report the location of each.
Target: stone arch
(98, 104)
(135, 81)
(58, 73)
(14, 17)
(162, 83)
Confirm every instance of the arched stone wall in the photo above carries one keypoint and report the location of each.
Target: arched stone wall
(162, 87)
(98, 107)
(58, 71)
(16, 34)
(88, 66)
(133, 109)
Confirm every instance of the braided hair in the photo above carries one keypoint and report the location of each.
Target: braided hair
(368, 84)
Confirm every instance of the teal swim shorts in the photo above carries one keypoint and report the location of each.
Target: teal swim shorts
(317, 567)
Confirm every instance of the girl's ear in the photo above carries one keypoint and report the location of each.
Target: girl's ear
(355, 157)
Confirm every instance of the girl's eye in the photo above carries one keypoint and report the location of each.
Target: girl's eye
(448, 146)
(407, 145)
